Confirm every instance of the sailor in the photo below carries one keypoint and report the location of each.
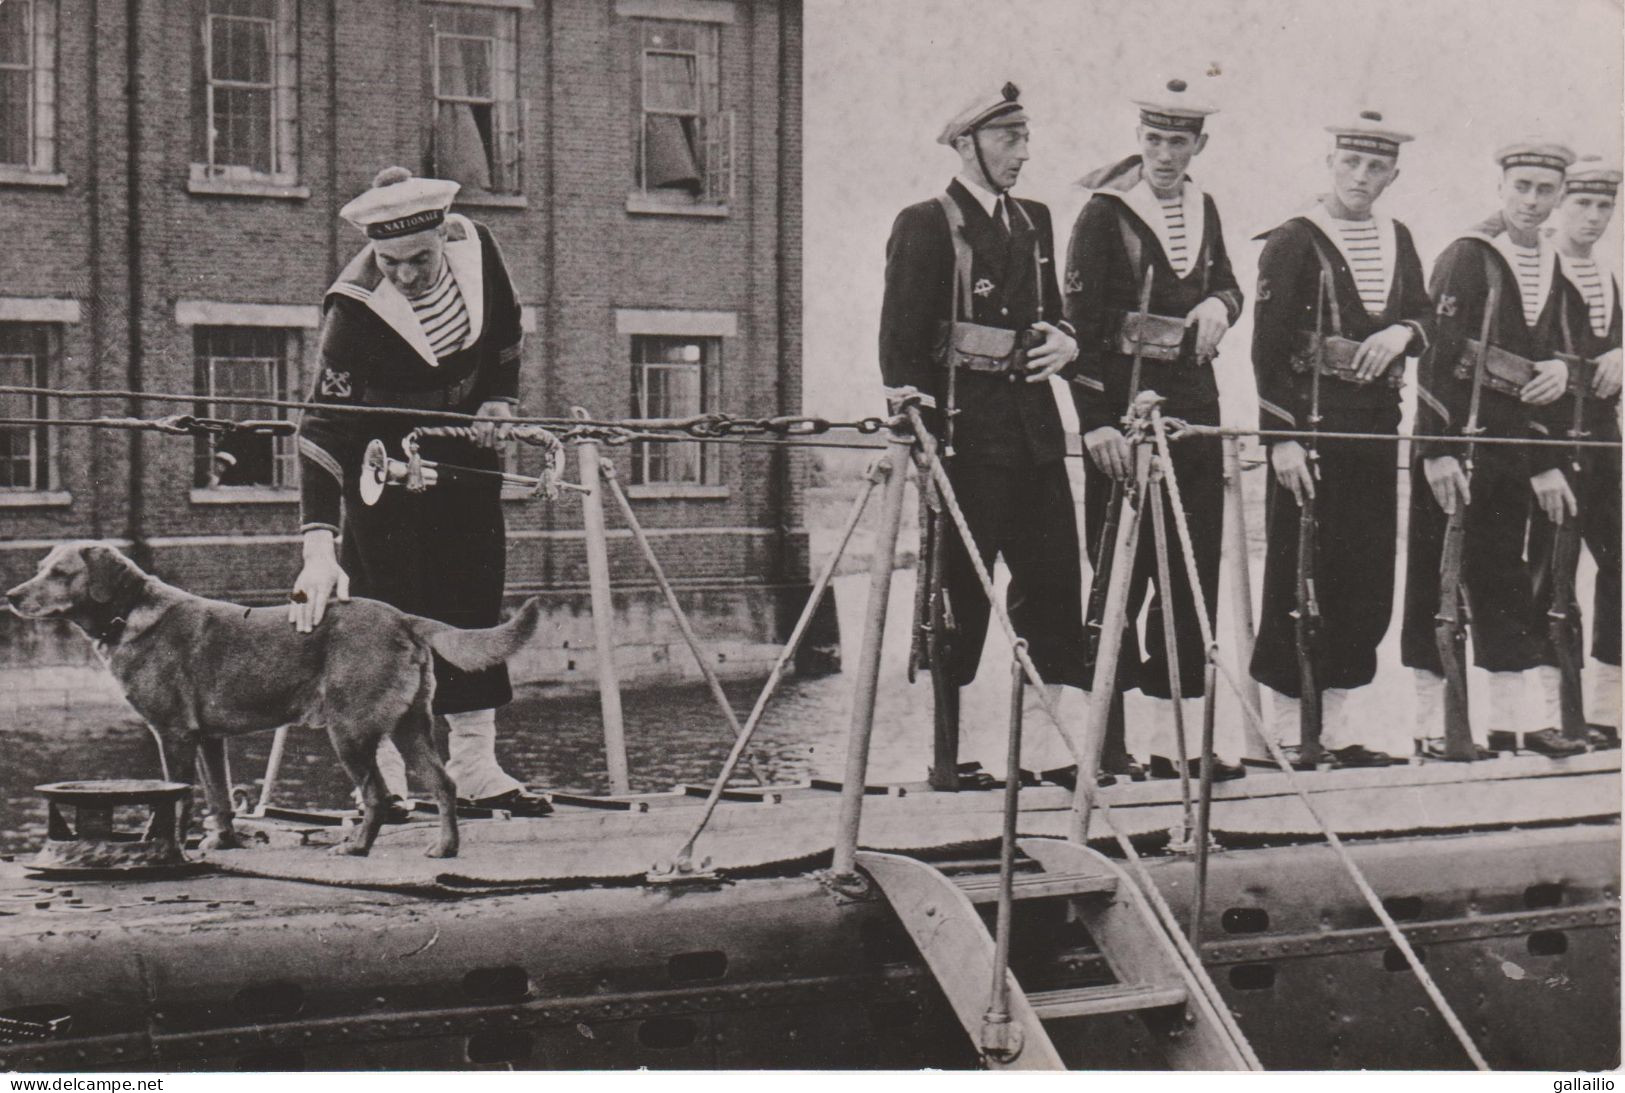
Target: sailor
(1590, 191)
(1147, 212)
(1374, 312)
(971, 327)
(423, 318)
(1506, 249)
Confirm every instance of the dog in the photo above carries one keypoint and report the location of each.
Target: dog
(200, 670)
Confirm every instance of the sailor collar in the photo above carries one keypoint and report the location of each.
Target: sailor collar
(1493, 233)
(363, 281)
(1126, 183)
(1610, 284)
(1387, 239)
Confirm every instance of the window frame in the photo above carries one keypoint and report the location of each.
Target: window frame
(714, 124)
(44, 440)
(709, 370)
(282, 87)
(288, 383)
(517, 107)
(41, 115)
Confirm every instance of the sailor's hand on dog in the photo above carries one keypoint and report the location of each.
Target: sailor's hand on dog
(1551, 377)
(1291, 464)
(317, 584)
(488, 433)
(1055, 352)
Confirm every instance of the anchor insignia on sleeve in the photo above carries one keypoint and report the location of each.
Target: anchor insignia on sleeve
(1074, 281)
(335, 384)
(984, 287)
(1447, 306)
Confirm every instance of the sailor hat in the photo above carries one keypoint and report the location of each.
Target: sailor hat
(1368, 133)
(1535, 152)
(1172, 106)
(399, 204)
(1589, 176)
(986, 113)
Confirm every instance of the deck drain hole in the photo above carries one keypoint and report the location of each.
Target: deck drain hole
(1403, 908)
(499, 1046)
(696, 967)
(1537, 896)
(1394, 960)
(490, 984)
(1252, 977)
(667, 1032)
(1245, 920)
(1548, 943)
(280, 1059)
(270, 1001)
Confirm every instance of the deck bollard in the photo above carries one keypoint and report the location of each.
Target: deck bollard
(603, 613)
(882, 559)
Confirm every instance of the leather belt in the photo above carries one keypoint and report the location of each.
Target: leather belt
(425, 398)
(1337, 360)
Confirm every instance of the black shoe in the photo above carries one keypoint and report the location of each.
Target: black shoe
(1548, 742)
(1601, 737)
(1126, 767)
(1162, 767)
(516, 802)
(1358, 755)
(966, 776)
(1067, 777)
(1433, 747)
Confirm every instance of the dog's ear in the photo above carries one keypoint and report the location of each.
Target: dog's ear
(108, 573)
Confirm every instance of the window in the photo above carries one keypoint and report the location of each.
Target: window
(28, 85)
(245, 362)
(26, 460)
(250, 108)
(474, 131)
(673, 377)
(684, 140)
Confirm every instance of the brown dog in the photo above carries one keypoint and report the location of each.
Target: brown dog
(200, 670)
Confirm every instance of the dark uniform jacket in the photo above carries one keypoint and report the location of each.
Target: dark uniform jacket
(1288, 287)
(440, 553)
(1460, 291)
(1000, 422)
(1103, 284)
(1601, 415)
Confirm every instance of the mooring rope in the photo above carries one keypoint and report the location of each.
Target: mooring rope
(1182, 529)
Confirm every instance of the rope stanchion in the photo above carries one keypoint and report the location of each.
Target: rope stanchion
(1160, 437)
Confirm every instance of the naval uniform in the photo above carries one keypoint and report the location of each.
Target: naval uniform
(1376, 282)
(440, 553)
(1007, 468)
(1121, 230)
(1594, 325)
(1505, 634)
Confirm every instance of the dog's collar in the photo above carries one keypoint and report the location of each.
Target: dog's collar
(109, 633)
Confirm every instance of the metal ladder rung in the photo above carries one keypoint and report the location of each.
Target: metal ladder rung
(1113, 998)
(984, 887)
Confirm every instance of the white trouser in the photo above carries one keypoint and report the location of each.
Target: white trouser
(473, 764)
(1602, 701)
(1042, 748)
(1506, 708)
(1163, 740)
(1337, 727)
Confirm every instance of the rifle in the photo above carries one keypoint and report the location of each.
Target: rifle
(1105, 555)
(1307, 613)
(1450, 624)
(1562, 621)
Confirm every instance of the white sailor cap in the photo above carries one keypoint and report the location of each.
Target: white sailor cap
(1368, 133)
(1173, 106)
(1590, 176)
(399, 204)
(986, 112)
(1535, 152)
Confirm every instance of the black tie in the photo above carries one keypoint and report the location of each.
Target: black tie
(1001, 216)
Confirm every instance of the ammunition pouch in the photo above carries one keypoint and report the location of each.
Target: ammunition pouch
(1337, 360)
(1505, 373)
(991, 349)
(1157, 337)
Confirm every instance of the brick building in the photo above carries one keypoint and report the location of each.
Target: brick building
(170, 175)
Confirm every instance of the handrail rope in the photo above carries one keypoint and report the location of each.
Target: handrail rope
(1165, 914)
(1171, 481)
(683, 859)
(1180, 429)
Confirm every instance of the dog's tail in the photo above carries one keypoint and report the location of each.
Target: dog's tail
(474, 650)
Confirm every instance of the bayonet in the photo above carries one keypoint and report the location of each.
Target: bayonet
(1307, 613)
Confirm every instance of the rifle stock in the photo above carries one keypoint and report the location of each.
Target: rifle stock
(1562, 615)
(1307, 613)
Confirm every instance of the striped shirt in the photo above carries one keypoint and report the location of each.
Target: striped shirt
(1588, 279)
(1526, 263)
(443, 315)
(1361, 246)
(1173, 218)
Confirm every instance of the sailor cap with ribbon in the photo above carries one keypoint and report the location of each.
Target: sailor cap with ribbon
(1368, 133)
(1535, 152)
(400, 204)
(986, 112)
(1174, 107)
(1590, 176)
